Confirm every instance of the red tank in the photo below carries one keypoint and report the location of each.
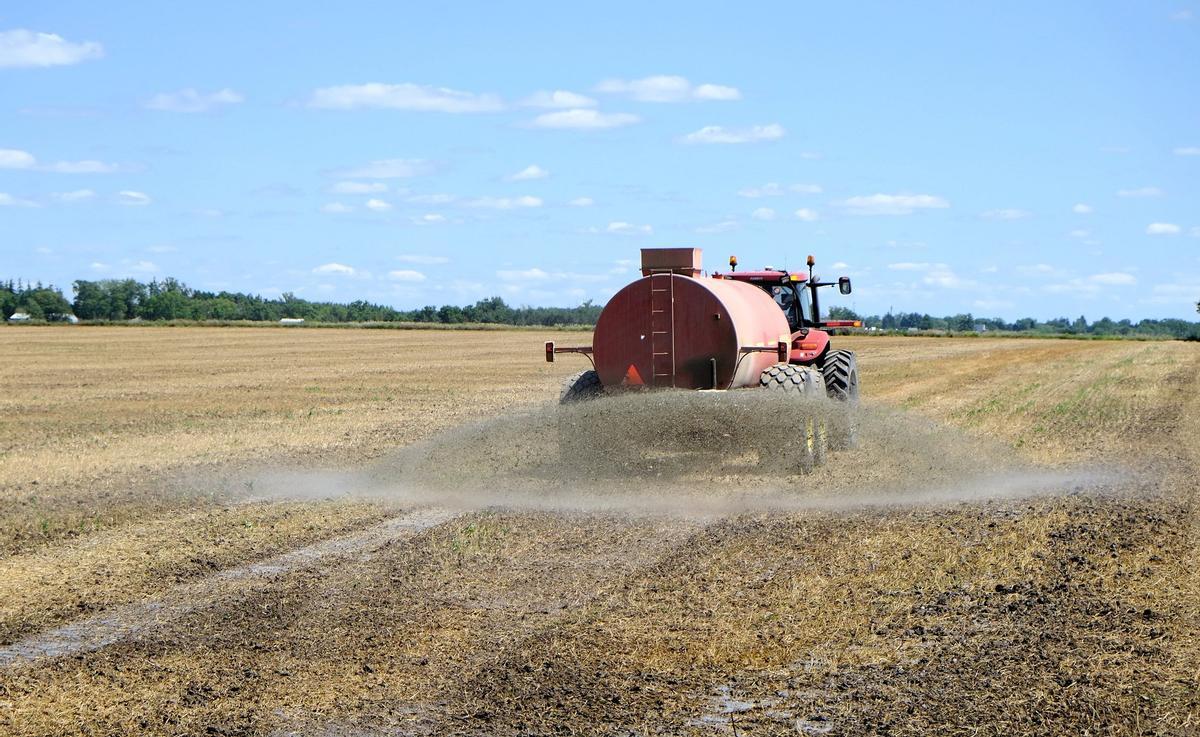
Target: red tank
(675, 328)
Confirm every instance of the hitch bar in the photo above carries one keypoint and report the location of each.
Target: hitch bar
(552, 349)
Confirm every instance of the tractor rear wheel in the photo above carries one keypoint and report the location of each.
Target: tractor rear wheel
(841, 376)
(785, 377)
(580, 387)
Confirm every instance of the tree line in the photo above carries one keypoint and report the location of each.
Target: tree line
(119, 300)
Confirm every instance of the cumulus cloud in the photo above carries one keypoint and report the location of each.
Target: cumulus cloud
(893, 204)
(763, 213)
(406, 275)
(11, 158)
(533, 171)
(775, 189)
(806, 215)
(429, 218)
(336, 208)
(133, 198)
(582, 202)
(7, 200)
(557, 99)
(386, 169)
(667, 88)
(1141, 192)
(1079, 233)
(375, 205)
(335, 269)
(193, 101)
(24, 48)
(721, 134)
(620, 227)
(534, 274)
(1004, 214)
(420, 258)
(1092, 284)
(1188, 151)
(1163, 229)
(78, 195)
(358, 188)
(1082, 209)
(505, 203)
(405, 96)
(582, 119)
(1114, 279)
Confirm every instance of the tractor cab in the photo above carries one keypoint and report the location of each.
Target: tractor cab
(796, 294)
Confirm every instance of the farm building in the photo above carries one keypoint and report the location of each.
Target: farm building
(20, 317)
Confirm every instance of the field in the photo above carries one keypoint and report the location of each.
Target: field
(154, 581)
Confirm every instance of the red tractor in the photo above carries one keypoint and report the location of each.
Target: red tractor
(675, 328)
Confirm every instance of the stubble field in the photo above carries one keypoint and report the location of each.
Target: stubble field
(159, 576)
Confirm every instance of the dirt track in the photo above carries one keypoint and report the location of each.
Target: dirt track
(1070, 613)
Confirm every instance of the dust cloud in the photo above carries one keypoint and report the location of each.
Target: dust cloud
(693, 454)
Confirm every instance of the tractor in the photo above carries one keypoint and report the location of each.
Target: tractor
(677, 328)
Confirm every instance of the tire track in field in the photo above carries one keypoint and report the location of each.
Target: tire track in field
(134, 620)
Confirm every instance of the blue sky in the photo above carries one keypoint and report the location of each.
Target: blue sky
(1010, 159)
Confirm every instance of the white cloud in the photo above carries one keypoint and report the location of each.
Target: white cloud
(406, 96)
(667, 88)
(763, 213)
(893, 204)
(910, 266)
(775, 189)
(1188, 151)
(1163, 229)
(557, 99)
(1082, 209)
(1182, 16)
(7, 200)
(582, 202)
(1004, 214)
(581, 119)
(1141, 192)
(533, 171)
(418, 258)
(406, 275)
(1079, 233)
(505, 203)
(358, 188)
(99, 266)
(335, 268)
(24, 48)
(78, 195)
(87, 166)
(132, 198)
(11, 158)
(721, 134)
(806, 215)
(378, 205)
(620, 227)
(432, 199)
(839, 265)
(144, 267)
(1114, 279)
(430, 218)
(337, 208)
(192, 101)
(534, 274)
(161, 248)
(722, 227)
(1195, 231)
(386, 169)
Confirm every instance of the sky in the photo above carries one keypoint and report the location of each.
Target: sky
(1004, 159)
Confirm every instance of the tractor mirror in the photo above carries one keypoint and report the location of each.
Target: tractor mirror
(844, 285)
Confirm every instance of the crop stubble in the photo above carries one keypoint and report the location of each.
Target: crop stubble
(1061, 614)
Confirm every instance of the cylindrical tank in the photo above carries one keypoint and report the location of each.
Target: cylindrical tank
(667, 330)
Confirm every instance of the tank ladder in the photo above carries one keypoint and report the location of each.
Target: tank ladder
(662, 328)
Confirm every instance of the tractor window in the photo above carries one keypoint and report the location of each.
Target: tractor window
(798, 311)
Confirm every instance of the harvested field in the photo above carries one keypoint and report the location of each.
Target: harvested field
(218, 531)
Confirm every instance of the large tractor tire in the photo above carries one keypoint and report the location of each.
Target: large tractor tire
(805, 449)
(841, 376)
(581, 387)
(801, 380)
